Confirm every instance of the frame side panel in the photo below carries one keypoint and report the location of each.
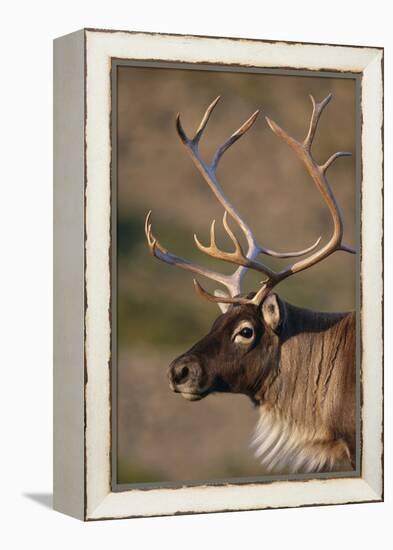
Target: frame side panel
(68, 210)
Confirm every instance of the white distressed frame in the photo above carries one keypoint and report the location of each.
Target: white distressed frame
(100, 48)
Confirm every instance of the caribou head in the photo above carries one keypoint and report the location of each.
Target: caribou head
(237, 354)
(257, 345)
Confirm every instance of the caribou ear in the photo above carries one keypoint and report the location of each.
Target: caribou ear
(224, 307)
(273, 312)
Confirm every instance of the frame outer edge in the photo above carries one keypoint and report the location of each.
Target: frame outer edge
(69, 265)
(101, 502)
(372, 272)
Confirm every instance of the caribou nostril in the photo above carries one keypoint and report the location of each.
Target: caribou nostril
(184, 373)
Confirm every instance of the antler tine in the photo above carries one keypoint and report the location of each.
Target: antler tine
(317, 109)
(205, 119)
(331, 159)
(202, 125)
(158, 251)
(233, 138)
(219, 299)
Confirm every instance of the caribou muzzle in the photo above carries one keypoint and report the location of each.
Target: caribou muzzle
(187, 376)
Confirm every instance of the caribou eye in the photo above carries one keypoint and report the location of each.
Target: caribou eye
(244, 333)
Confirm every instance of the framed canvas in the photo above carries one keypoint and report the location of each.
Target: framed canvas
(165, 403)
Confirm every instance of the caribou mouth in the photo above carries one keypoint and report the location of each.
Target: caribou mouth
(193, 396)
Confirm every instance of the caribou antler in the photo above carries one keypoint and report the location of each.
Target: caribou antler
(318, 175)
(208, 171)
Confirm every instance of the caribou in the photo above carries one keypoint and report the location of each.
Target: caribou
(296, 365)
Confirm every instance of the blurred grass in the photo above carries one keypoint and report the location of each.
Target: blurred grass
(140, 323)
(129, 472)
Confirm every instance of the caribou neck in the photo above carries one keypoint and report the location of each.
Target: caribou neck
(309, 393)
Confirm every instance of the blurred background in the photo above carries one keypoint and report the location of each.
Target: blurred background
(161, 436)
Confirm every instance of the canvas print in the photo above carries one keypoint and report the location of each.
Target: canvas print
(236, 271)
